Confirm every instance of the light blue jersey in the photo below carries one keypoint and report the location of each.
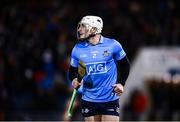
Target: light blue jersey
(101, 71)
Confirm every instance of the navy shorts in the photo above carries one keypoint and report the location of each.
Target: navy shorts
(102, 108)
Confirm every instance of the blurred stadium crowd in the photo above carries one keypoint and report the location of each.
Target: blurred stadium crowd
(159, 103)
(36, 38)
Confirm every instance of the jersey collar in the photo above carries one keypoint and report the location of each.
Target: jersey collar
(100, 41)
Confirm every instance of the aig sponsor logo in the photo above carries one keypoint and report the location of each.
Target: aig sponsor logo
(96, 68)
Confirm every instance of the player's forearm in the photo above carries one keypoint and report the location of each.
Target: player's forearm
(123, 70)
(73, 73)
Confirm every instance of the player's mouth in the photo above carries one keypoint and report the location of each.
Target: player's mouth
(80, 34)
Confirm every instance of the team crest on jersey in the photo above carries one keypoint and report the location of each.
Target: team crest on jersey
(106, 53)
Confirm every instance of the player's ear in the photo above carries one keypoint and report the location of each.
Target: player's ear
(93, 30)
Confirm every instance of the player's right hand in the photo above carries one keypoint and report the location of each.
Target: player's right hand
(75, 83)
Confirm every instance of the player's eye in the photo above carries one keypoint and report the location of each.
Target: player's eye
(82, 25)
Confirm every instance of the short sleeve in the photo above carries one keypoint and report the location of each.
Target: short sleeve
(74, 59)
(119, 53)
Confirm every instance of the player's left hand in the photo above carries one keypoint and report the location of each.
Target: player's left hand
(118, 89)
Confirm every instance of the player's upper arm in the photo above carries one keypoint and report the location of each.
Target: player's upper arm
(119, 53)
(74, 59)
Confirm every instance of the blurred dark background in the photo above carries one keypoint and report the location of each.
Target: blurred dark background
(36, 38)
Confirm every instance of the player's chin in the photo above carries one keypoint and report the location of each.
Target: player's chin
(81, 37)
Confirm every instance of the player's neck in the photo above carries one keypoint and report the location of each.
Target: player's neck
(95, 39)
